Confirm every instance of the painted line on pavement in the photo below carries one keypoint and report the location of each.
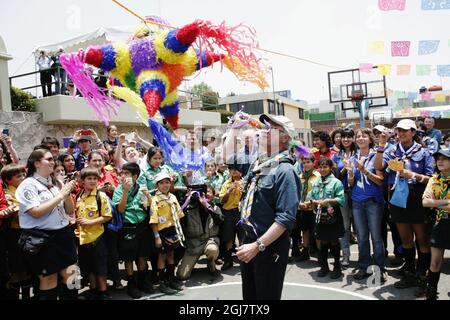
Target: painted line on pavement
(289, 284)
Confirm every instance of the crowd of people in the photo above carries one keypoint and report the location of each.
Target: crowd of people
(96, 204)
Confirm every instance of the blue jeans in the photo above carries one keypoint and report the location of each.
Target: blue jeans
(368, 216)
(346, 216)
(61, 80)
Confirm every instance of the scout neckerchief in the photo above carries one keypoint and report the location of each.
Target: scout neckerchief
(259, 169)
(306, 177)
(171, 201)
(48, 183)
(363, 178)
(444, 188)
(406, 155)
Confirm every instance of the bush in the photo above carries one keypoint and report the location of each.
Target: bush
(22, 101)
(224, 114)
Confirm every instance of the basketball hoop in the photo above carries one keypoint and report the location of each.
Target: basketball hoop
(357, 95)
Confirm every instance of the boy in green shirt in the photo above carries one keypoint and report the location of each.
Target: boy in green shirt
(135, 238)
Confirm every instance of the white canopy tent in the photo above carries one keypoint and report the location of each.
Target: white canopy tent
(98, 37)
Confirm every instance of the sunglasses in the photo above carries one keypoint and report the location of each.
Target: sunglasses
(50, 159)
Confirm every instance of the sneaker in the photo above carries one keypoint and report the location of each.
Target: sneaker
(336, 273)
(345, 261)
(431, 293)
(212, 270)
(133, 292)
(104, 296)
(361, 274)
(117, 285)
(166, 289)
(421, 292)
(303, 256)
(401, 271)
(146, 288)
(175, 284)
(396, 262)
(227, 265)
(323, 272)
(407, 281)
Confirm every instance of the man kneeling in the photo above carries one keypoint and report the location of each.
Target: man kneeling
(201, 229)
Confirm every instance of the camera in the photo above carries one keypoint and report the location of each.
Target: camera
(197, 189)
(5, 132)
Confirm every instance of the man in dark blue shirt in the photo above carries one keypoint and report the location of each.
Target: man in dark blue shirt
(268, 211)
(432, 132)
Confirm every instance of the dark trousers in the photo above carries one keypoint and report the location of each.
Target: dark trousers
(256, 284)
(46, 82)
(394, 232)
(113, 254)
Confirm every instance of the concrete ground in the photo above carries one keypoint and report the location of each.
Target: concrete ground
(301, 283)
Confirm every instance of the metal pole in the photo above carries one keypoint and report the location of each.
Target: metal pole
(359, 104)
(273, 89)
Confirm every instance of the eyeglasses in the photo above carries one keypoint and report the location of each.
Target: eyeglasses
(50, 159)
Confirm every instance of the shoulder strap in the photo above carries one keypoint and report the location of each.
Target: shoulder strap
(99, 203)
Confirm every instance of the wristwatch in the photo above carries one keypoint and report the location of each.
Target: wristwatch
(261, 246)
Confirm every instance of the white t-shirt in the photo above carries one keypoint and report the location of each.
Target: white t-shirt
(32, 193)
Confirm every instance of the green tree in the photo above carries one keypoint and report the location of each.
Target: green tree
(206, 94)
(22, 101)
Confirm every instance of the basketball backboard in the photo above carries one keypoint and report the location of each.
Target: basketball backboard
(346, 86)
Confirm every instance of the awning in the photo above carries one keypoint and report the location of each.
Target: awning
(98, 37)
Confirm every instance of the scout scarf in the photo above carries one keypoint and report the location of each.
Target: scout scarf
(257, 172)
(406, 155)
(363, 178)
(306, 176)
(441, 194)
(171, 200)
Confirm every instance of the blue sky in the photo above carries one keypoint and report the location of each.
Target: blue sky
(332, 32)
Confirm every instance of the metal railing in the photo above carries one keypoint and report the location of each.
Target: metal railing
(53, 71)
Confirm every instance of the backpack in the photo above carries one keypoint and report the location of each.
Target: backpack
(116, 223)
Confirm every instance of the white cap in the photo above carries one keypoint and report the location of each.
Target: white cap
(406, 124)
(161, 176)
(283, 121)
(380, 128)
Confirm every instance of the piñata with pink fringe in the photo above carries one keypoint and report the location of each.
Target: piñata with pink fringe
(150, 67)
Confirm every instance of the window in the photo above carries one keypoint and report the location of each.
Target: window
(271, 107)
(301, 113)
(235, 107)
(280, 109)
(250, 107)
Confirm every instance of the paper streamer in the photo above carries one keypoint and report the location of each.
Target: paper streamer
(428, 46)
(366, 67)
(426, 96)
(384, 69)
(376, 47)
(443, 70)
(388, 5)
(400, 48)
(440, 97)
(400, 94)
(412, 96)
(403, 69)
(423, 70)
(435, 4)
